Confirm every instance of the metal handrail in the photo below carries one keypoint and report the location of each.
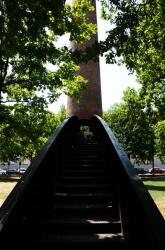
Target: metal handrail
(130, 187)
(139, 214)
(18, 191)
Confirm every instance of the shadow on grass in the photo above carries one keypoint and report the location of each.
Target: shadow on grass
(9, 179)
(155, 188)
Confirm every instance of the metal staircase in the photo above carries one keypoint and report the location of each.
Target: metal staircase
(81, 192)
(85, 211)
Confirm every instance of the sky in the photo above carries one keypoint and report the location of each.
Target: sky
(114, 79)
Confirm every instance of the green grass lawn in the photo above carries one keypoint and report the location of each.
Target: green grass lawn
(157, 190)
(6, 186)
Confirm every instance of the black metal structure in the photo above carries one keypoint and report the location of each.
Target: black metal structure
(81, 191)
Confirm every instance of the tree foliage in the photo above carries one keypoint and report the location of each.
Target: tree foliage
(25, 130)
(28, 31)
(62, 113)
(136, 37)
(160, 139)
(129, 121)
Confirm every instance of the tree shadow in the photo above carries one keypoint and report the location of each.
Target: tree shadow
(156, 188)
(9, 179)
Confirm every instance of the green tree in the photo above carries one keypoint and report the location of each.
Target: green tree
(62, 113)
(26, 130)
(28, 31)
(28, 34)
(136, 37)
(116, 117)
(130, 123)
(160, 139)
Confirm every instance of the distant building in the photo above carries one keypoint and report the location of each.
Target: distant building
(157, 163)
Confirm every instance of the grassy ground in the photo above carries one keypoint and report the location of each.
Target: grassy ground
(6, 185)
(157, 190)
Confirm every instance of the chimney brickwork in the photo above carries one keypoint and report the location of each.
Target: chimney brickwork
(90, 100)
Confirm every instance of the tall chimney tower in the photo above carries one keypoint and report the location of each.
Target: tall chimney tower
(90, 99)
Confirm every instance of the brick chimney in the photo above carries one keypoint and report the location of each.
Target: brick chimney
(90, 100)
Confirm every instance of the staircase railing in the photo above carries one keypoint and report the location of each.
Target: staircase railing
(39, 171)
(141, 217)
(142, 222)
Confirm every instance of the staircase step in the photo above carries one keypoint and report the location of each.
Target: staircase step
(81, 221)
(82, 207)
(82, 196)
(64, 223)
(82, 179)
(88, 151)
(80, 162)
(83, 166)
(80, 240)
(91, 151)
(81, 187)
(83, 172)
(84, 211)
(87, 147)
(87, 156)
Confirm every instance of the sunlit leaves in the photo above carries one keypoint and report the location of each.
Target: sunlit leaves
(62, 113)
(137, 38)
(28, 30)
(25, 129)
(131, 125)
(82, 29)
(160, 139)
(28, 33)
(70, 87)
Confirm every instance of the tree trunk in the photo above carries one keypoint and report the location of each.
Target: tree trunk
(153, 166)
